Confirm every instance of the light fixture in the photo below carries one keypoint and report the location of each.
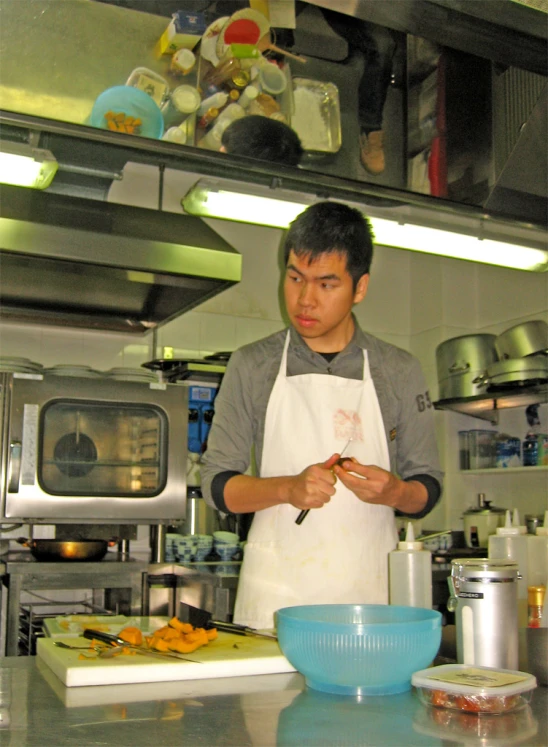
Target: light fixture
(26, 166)
(449, 234)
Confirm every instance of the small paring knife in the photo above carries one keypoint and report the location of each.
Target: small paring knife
(302, 516)
(98, 635)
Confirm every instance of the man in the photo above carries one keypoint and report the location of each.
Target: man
(299, 397)
(255, 136)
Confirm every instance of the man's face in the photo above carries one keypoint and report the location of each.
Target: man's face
(319, 297)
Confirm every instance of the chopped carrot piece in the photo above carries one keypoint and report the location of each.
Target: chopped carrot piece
(183, 647)
(160, 645)
(212, 634)
(181, 626)
(131, 634)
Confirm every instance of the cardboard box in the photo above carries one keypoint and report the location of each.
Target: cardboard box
(183, 32)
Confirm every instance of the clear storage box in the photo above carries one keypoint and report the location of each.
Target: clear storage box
(461, 687)
(482, 448)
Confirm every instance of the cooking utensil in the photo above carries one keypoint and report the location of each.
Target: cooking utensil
(98, 635)
(53, 550)
(102, 653)
(515, 371)
(485, 518)
(242, 36)
(523, 339)
(200, 618)
(265, 44)
(460, 360)
(245, 14)
(302, 516)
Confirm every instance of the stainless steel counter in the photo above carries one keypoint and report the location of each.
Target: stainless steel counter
(36, 709)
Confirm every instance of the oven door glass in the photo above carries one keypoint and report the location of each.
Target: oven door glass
(102, 449)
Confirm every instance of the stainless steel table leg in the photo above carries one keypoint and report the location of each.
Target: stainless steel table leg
(15, 585)
(137, 593)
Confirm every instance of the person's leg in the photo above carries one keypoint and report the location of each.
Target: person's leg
(377, 46)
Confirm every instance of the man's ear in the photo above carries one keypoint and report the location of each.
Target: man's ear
(222, 149)
(361, 288)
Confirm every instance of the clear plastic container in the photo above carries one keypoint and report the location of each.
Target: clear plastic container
(482, 448)
(464, 449)
(473, 689)
(149, 82)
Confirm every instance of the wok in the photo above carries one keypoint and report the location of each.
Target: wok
(52, 550)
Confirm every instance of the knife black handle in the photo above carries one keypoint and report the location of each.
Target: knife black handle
(229, 627)
(98, 635)
(301, 517)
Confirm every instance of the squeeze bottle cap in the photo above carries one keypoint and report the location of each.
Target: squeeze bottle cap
(508, 529)
(543, 530)
(409, 543)
(515, 522)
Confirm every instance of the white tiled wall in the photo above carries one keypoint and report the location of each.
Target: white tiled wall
(451, 298)
(414, 301)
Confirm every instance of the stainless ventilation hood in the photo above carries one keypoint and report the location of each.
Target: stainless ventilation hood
(522, 184)
(86, 263)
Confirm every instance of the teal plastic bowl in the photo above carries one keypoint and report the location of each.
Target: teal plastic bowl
(133, 103)
(358, 649)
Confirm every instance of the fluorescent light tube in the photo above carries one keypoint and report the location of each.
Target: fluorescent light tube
(24, 166)
(209, 200)
(458, 245)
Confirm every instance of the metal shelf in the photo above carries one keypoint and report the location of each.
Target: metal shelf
(503, 470)
(487, 406)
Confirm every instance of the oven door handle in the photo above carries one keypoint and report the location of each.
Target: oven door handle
(14, 472)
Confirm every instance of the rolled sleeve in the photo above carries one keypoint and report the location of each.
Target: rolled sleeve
(231, 434)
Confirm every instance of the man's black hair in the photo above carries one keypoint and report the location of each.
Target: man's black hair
(331, 227)
(255, 136)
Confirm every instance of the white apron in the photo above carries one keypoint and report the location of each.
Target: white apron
(339, 553)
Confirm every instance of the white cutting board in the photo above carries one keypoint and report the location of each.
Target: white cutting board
(228, 656)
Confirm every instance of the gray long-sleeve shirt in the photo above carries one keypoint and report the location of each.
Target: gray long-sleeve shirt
(240, 408)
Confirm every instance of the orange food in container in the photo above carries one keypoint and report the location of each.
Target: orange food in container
(474, 689)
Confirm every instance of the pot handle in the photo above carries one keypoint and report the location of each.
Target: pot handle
(459, 367)
(481, 380)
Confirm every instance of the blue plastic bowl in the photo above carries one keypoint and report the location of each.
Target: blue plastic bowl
(358, 649)
(133, 103)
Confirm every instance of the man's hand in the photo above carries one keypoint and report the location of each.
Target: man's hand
(314, 486)
(376, 485)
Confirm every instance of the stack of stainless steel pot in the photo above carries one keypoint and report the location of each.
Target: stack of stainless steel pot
(460, 361)
(470, 365)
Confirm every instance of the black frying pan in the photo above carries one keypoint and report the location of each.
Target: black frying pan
(54, 550)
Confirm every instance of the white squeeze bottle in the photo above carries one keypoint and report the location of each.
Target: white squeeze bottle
(537, 555)
(249, 94)
(216, 101)
(511, 542)
(410, 573)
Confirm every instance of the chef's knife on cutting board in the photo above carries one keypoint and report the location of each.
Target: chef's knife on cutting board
(99, 635)
(203, 619)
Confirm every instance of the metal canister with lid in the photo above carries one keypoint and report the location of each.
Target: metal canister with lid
(484, 596)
